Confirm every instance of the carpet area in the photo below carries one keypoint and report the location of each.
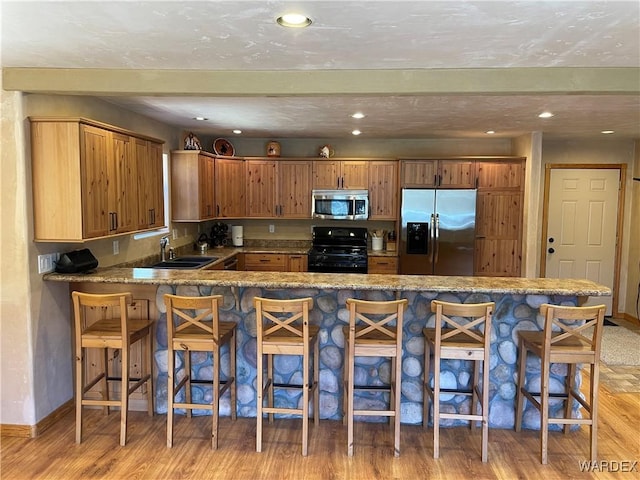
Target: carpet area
(620, 346)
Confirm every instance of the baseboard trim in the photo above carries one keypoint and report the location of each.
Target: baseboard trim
(32, 431)
(630, 318)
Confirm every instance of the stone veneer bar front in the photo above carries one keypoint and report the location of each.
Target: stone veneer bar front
(517, 302)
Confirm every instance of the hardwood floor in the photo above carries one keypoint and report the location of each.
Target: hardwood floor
(512, 455)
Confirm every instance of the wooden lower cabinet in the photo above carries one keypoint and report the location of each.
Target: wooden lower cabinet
(274, 262)
(298, 263)
(265, 262)
(382, 264)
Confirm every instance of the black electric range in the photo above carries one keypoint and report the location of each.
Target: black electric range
(338, 250)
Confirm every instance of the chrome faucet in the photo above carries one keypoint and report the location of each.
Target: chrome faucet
(164, 241)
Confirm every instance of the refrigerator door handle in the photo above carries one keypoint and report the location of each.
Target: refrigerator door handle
(436, 242)
(432, 238)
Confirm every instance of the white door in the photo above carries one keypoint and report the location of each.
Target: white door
(581, 226)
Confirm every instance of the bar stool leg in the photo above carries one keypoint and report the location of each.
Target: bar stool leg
(215, 391)
(593, 402)
(485, 407)
(350, 391)
(316, 382)
(569, 386)
(232, 374)
(544, 414)
(305, 404)
(425, 388)
(270, 381)
(124, 393)
(396, 405)
(171, 396)
(522, 366)
(79, 390)
(259, 401)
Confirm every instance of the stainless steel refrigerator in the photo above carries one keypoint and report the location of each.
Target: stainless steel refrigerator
(437, 231)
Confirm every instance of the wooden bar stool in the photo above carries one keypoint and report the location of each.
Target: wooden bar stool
(111, 321)
(193, 325)
(371, 333)
(283, 329)
(462, 332)
(571, 335)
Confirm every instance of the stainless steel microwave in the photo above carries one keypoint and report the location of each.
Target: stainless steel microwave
(340, 204)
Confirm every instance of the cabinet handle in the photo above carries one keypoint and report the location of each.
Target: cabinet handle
(338, 184)
(217, 210)
(115, 220)
(342, 186)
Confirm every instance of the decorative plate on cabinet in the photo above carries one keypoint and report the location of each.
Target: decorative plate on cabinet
(222, 147)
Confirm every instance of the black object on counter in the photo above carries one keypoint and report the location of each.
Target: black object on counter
(77, 261)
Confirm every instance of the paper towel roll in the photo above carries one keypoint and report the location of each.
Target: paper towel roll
(236, 235)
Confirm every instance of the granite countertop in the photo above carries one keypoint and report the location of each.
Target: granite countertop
(334, 281)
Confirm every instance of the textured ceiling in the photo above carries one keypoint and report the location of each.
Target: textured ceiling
(345, 35)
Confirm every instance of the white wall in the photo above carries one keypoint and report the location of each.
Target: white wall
(607, 149)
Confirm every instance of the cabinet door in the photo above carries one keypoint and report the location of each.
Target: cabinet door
(418, 173)
(95, 201)
(123, 185)
(502, 174)
(456, 174)
(383, 191)
(294, 189)
(206, 186)
(355, 175)
(150, 184)
(156, 178)
(498, 233)
(326, 174)
(261, 188)
(298, 263)
(229, 188)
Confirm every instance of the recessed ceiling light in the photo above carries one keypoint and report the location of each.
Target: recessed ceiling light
(237, 131)
(293, 20)
(358, 115)
(546, 115)
(607, 132)
(490, 132)
(200, 119)
(356, 132)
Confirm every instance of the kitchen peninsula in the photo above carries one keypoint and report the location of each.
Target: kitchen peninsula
(517, 302)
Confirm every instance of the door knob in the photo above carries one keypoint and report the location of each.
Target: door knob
(551, 240)
(551, 250)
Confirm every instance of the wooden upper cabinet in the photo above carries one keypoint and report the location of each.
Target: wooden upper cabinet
(294, 188)
(85, 179)
(278, 188)
(500, 174)
(438, 173)
(150, 184)
(229, 188)
(95, 183)
(338, 174)
(261, 188)
(123, 186)
(192, 186)
(383, 190)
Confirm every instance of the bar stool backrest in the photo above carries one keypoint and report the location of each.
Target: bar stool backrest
(382, 318)
(193, 314)
(578, 326)
(464, 323)
(283, 318)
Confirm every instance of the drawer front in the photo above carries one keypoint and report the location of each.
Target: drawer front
(265, 262)
(383, 265)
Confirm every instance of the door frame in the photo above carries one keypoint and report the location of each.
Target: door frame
(622, 168)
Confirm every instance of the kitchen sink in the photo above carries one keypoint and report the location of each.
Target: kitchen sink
(185, 263)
